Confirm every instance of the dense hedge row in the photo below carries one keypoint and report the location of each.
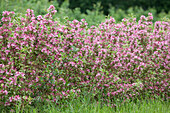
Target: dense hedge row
(41, 59)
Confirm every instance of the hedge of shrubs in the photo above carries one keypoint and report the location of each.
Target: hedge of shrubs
(42, 59)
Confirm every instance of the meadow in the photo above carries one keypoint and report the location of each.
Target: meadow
(50, 66)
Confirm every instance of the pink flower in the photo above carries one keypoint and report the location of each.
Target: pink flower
(107, 85)
(151, 18)
(51, 7)
(78, 90)
(17, 97)
(72, 63)
(7, 103)
(82, 20)
(98, 74)
(64, 93)
(6, 92)
(10, 99)
(150, 14)
(73, 90)
(60, 79)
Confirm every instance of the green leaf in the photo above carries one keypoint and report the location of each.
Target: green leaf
(76, 59)
(74, 48)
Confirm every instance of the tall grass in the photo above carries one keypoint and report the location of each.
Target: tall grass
(87, 104)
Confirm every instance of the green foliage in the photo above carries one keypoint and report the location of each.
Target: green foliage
(89, 105)
(159, 5)
(94, 14)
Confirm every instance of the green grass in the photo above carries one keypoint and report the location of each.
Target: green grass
(88, 105)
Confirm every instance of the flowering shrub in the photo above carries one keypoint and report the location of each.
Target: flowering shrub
(42, 59)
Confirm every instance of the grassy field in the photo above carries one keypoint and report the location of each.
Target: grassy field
(88, 105)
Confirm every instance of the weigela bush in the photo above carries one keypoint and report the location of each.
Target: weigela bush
(42, 59)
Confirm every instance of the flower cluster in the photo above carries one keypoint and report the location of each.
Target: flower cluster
(41, 58)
